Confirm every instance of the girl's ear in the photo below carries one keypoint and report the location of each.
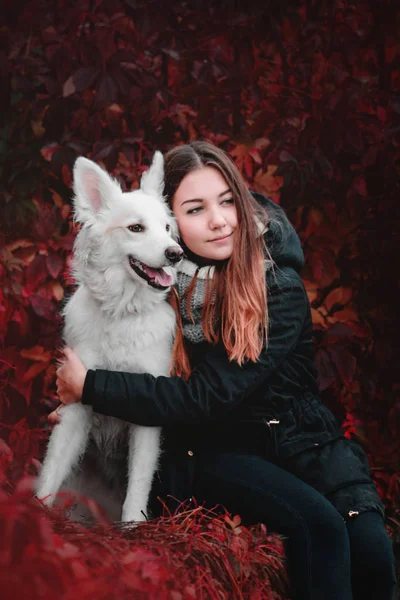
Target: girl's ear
(152, 181)
(93, 189)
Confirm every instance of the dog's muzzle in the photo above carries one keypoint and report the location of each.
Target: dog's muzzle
(174, 254)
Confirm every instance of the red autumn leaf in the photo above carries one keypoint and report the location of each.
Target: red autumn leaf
(24, 388)
(35, 273)
(254, 153)
(51, 290)
(285, 156)
(5, 450)
(81, 80)
(34, 370)
(42, 307)
(43, 228)
(25, 485)
(316, 265)
(37, 353)
(54, 263)
(344, 361)
(102, 149)
(69, 87)
(66, 175)
(106, 90)
(338, 298)
(359, 184)
(268, 182)
(322, 262)
(326, 371)
(337, 332)
(248, 166)
(48, 151)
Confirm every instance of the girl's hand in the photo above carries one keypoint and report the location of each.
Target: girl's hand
(55, 417)
(70, 378)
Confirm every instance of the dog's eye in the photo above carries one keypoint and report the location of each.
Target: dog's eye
(168, 227)
(136, 228)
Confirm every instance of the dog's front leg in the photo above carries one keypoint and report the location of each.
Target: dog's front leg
(66, 447)
(144, 450)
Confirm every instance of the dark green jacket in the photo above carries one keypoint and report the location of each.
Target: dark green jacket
(271, 408)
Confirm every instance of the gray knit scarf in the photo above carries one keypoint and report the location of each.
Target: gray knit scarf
(193, 331)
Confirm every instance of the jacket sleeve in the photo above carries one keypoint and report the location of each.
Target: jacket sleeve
(215, 386)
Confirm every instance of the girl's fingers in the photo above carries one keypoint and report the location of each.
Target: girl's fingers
(66, 398)
(54, 417)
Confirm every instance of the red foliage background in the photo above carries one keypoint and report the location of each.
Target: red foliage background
(305, 96)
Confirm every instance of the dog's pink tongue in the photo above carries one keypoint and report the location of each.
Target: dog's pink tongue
(159, 276)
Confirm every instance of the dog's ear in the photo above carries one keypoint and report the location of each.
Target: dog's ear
(93, 188)
(152, 181)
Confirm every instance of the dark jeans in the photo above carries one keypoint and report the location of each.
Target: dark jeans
(327, 559)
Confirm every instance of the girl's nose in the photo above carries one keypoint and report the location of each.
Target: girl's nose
(217, 220)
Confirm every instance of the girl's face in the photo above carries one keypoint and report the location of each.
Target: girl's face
(205, 212)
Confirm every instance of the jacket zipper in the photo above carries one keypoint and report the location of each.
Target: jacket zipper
(272, 431)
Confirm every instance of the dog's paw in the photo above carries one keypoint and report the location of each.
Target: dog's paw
(126, 525)
(46, 499)
(135, 516)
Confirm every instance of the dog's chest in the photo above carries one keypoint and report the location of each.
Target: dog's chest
(135, 343)
(109, 435)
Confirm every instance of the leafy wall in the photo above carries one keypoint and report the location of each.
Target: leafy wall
(304, 95)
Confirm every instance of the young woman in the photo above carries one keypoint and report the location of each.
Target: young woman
(242, 420)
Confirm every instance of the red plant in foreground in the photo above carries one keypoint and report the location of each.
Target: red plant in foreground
(192, 554)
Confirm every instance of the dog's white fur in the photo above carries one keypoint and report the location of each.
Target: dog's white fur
(115, 320)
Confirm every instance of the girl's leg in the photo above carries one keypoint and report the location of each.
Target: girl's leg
(318, 550)
(372, 562)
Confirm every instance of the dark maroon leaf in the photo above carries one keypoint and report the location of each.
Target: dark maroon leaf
(338, 331)
(172, 53)
(43, 307)
(90, 54)
(102, 149)
(44, 227)
(285, 156)
(52, 85)
(63, 155)
(344, 361)
(123, 56)
(326, 370)
(36, 272)
(119, 78)
(56, 118)
(84, 78)
(106, 91)
(54, 263)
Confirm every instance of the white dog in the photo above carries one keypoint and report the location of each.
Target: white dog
(117, 319)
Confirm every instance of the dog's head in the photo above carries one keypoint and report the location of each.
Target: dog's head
(127, 234)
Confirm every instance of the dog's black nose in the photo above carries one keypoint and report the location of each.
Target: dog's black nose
(174, 254)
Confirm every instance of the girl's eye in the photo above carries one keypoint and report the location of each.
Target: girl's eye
(168, 227)
(194, 211)
(136, 228)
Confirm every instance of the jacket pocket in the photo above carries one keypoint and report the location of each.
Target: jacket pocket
(308, 424)
(338, 468)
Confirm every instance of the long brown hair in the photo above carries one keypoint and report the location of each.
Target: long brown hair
(238, 313)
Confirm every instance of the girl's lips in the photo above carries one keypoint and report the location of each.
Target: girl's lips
(221, 239)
